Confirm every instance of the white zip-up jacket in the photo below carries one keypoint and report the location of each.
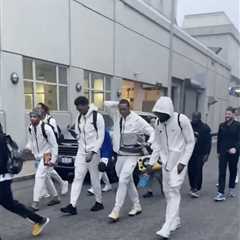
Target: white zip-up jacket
(88, 138)
(132, 124)
(174, 142)
(39, 145)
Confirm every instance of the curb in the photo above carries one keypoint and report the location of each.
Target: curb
(23, 178)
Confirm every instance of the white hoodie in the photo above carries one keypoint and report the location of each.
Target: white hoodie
(132, 124)
(39, 145)
(88, 138)
(173, 143)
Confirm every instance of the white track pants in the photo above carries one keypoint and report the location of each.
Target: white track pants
(81, 168)
(124, 167)
(173, 198)
(42, 177)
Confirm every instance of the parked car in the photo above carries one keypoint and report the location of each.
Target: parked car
(68, 150)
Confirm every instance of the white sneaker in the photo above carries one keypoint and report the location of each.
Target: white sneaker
(137, 209)
(64, 188)
(195, 194)
(176, 226)
(107, 188)
(160, 234)
(46, 195)
(232, 193)
(90, 191)
(114, 216)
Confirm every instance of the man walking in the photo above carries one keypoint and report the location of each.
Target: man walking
(6, 196)
(48, 119)
(228, 145)
(90, 130)
(174, 143)
(128, 129)
(201, 151)
(42, 143)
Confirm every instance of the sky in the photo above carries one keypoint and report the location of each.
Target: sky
(230, 7)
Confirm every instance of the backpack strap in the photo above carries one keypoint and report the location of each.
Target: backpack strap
(48, 120)
(121, 123)
(44, 131)
(79, 119)
(95, 120)
(179, 122)
(29, 129)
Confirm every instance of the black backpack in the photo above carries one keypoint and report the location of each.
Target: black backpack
(15, 157)
(58, 135)
(95, 113)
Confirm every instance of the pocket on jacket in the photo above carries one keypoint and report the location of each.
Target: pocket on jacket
(174, 157)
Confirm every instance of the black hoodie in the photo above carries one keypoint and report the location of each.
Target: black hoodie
(202, 134)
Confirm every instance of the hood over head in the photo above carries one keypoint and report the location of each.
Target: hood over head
(164, 105)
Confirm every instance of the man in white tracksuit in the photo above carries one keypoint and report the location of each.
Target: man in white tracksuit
(174, 144)
(90, 139)
(41, 140)
(48, 119)
(127, 122)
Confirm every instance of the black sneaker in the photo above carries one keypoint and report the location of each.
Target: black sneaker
(69, 209)
(54, 201)
(97, 207)
(148, 194)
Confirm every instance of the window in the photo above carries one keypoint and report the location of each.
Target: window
(45, 82)
(97, 88)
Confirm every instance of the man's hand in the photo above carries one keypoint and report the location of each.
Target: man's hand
(50, 164)
(205, 158)
(180, 168)
(89, 156)
(232, 151)
(148, 169)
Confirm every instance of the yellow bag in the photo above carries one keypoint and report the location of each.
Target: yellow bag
(143, 162)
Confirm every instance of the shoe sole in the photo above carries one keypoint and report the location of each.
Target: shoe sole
(34, 209)
(53, 204)
(107, 190)
(137, 213)
(194, 196)
(69, 213)
(97, 210)
(112, 220)
(218, 200)
(42, 228)
(162, 237)
(90, 193)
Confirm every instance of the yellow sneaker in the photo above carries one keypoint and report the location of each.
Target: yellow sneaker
(113, 216)
(38, 227)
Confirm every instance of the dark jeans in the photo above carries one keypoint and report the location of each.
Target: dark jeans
(195, 169)
(7, 201)
(230, 160)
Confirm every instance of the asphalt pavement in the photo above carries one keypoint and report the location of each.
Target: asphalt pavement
(202, 219)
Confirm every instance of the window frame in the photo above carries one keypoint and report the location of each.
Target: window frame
(57, 84)
(90, 89)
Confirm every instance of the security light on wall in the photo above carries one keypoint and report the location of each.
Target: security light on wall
(78, 87)
(14, 78)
